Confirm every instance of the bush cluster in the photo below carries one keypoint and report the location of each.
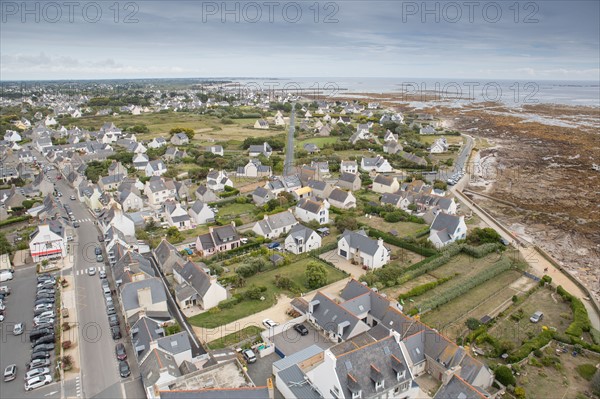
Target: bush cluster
(581, 321)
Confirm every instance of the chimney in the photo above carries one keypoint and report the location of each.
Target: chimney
(233, 224)
(144, 297)
(270, 388)
(380, 241)
(312, 305)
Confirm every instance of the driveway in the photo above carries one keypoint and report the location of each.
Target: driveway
(262, 369)
(290, 342)
(354, 271)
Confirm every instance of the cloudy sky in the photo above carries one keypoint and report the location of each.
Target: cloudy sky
(142, 39)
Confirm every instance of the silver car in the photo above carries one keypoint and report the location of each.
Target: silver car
(19, 328)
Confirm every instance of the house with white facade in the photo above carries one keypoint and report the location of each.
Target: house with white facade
(308, 210)
(439, 146)
(216, 180)
(201, 213)
(341, 199)
(349, 167)
(273, 226)
(446, 229)
(378, 164)
(156, 168)
(176, 216)
(158, 191)
(358, 247)
(301, 239)
(48, 241)
(197, 288)
(385, 184)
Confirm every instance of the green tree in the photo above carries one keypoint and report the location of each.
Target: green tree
(483, 236)
(5, 247)
(505, 376)
(174, 235)
(345, 222)
(316, 275)
(188, 132)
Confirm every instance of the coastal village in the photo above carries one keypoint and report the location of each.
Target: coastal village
(348, 264)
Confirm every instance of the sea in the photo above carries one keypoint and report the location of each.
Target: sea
(446, 92)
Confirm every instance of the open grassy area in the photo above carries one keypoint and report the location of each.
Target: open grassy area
(295, 271)
(542, 379)
(234, 210)
(319, 141)
(234, 338)
(486, 299)
(452, 140)
(557, 314)
(404, 229)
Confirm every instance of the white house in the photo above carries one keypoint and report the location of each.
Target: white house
(180, 139)
(273, 226)
(155, 168)
(158, 191)
(358, 247)
(201, 213)
(427, 130)
(49, 241)
(157, 142)
(349, 167)
(385, 184)
(12, 136)
(260, 149)
(308, 210)
(176, 216)
(261, 124)
(341, 199)
(216, 180)
(216, 149)
(446, 229)
(302, 239)
(439, 146)
(196, 287)
(140, 161)
(254, 168)
(378, 164)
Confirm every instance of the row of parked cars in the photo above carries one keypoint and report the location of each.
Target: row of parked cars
(113, 322)
(455, 177)
(42, 336)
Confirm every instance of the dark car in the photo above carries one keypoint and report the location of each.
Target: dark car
(116, 332)
(46, 339)
(113, 320)
(98, 251)
(40, 355)
(124, 369)
(301, 329)
(120, 352)
(39, 333)
(44, 296)
(44, 347)
(44, 301)
(504, 241)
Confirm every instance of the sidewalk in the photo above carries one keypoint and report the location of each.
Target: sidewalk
(69, 300)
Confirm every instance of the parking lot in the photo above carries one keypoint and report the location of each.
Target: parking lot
(290, 341)
(17, 349)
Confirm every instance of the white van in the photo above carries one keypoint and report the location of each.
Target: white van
(5, 275)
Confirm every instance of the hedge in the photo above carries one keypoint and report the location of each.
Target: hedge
(581, 321)
(530, 345)
(390, 239)
(487, 274)
(423, 288)
(14, 220)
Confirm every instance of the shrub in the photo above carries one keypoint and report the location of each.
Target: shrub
(530, 345)
(66, 344)
(66, 326)
(520, 393)
(423, 288)
(586, 371)
(581, 321)
(472, 323)
(255, 292)
(505, 376)
(538, 353)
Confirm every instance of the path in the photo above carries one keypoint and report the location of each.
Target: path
(276, 312)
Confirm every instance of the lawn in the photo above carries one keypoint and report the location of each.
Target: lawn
(557, 314)
(404, 229)
(319, 141)
(234, 338)
(487, 299)
(234, 210)
(295, 271)
(562, 381)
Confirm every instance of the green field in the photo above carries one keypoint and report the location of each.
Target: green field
(404, 229)
(319, 141)
(234, 338)
(295, 271)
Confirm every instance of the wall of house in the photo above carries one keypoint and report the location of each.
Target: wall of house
(214, 295)
(324, 377)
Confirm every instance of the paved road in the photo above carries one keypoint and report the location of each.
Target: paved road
(460, 164)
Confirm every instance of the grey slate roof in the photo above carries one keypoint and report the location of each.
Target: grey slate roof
(176, 343)
(297, 357)
(156, 361)
(129, 292)
(235, 393)
(195, 275)
(338, 195)
(310, 205)
(391, 199)
(457, 389)
(376, 362)
(360, 240)
(294, 378)
(444, 221)
(353, 289)
(144, 331)
(300, 231)
(277, 221)
(329, 315)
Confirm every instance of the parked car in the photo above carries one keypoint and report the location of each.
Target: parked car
(76, 224)
(18, 328)
(124, 369)
(5, 290)
(249, 355)
(273, 245)
(120, 352)
(98, 251)
(40, 355)
(99, 258)
(37, 382)
(110, 310)
(43, 320)
(113, 320)
(41, 312)
(102, 274)
(45, 313)
(72, 198)
(504, 242)
(301, 329)
(44, 301)
(269, 323)
(537, 316)
(39, 333)
(10, 372)
(44, 306)
(5, 275)
(34, 364)
(46, 339)
(44, 347)
(36, 372)
(116, 332)
(91, 271)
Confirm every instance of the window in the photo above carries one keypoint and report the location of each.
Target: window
(356, 395)
(379, 385)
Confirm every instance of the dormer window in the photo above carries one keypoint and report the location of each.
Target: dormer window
(379, 385)
(400, 375)
(357, 395)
